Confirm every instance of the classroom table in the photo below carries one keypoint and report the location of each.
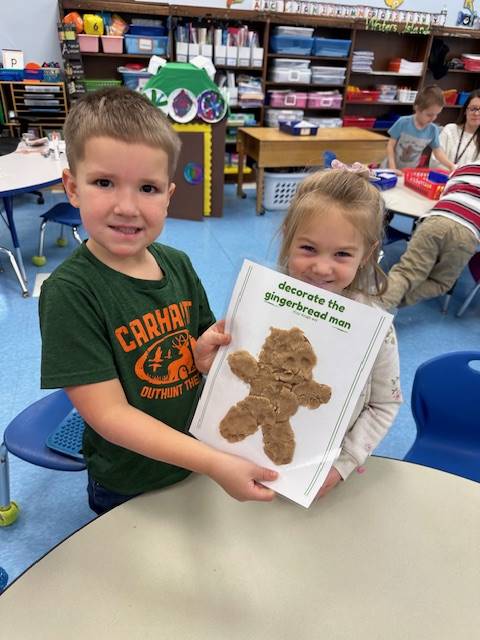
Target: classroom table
(22, 173)
(271, 148)
(406, 201)
(393, 553)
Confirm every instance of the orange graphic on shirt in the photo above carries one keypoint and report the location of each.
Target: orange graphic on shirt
(167, 360)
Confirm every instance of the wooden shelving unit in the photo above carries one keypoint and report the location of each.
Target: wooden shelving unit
(385, 46)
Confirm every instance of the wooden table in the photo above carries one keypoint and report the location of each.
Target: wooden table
(394, 553)
(271, 148)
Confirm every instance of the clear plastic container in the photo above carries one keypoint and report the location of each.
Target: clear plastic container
(306, 32)
(292, 63)
(274, 116)
(287, 74)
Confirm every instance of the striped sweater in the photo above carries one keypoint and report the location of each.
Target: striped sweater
(461, 196)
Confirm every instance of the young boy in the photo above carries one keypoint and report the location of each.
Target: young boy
(443, 243)
(410, 135)
(126, 325)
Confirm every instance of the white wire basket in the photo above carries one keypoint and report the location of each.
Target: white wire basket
(279, 189)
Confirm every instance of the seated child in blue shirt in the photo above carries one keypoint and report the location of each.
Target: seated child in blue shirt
(410, 135)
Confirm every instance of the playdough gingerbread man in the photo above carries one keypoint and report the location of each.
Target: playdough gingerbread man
(280, 382)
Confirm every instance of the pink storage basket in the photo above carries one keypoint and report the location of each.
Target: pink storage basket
(88, 44)
(324, 100)
(112, 44)
(281, 99)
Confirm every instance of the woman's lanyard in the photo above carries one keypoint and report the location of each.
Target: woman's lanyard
(458, 154)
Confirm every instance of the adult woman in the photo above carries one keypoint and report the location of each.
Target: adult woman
(461, 140)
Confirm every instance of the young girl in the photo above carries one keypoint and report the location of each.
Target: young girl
(331, 238)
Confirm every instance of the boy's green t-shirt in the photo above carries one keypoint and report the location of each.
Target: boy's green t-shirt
(98, 324)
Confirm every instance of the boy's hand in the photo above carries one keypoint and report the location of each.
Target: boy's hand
(331, 481)
(208, 344)
(240, 478)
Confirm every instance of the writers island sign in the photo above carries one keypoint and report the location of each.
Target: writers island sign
(377, 24)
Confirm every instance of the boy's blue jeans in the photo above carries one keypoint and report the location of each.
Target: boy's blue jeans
(101, 499)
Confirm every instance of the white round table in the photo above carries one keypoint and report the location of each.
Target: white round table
(392, 554)
(21, 173)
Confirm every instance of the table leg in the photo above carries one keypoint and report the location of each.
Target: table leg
(260, 177)
(8, 203)
(241, 160)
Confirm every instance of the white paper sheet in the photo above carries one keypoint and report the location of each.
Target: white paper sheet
(346, 337)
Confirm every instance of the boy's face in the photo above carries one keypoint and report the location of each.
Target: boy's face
(123, 191)
(426, 116)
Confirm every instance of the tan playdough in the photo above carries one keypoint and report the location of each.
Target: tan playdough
(280, 381)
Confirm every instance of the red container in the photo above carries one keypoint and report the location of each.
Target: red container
(363, 96)
(357, 121)
(417, 179)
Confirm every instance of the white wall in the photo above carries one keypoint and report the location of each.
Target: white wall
(31, 25)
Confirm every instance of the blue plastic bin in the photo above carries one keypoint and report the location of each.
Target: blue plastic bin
(462, 97)
(146, 44)
(331, 47)
(294, 45)
(133, 79)
(438, 177)
(141, 30)
(9, 75)
(386, 180)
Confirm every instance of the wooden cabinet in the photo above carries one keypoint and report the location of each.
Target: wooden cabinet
(41, 105)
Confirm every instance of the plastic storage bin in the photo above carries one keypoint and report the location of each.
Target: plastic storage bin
(331, 47)
(133, 79)
(358, 121)
(279, 189)
(93, 85)
(328, 75)
(363, 96)
(146, 44)
(324, 100)
(147, 30)
(418, 180)
(287, 98)
(462, 97)
(291, 74)
(9, 75)
(88, 44)
(385, 180)
(297, 45)
(274, 116)
(292, 127)
(112, 44)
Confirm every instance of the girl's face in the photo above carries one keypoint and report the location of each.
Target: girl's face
(327, 251)
(472, 114)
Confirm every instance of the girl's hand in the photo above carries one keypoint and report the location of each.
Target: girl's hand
(331, 481)
(240, 478)
(208, 344)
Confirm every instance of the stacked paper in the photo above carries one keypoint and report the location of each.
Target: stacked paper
(363, 61)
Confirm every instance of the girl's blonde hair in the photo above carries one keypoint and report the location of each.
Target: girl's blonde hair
(362, 206)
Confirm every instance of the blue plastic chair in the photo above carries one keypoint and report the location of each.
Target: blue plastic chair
(446, 408)
(25, 437)
(65, 215)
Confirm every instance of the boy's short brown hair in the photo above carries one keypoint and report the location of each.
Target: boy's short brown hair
(428, 97)
(122, 114)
